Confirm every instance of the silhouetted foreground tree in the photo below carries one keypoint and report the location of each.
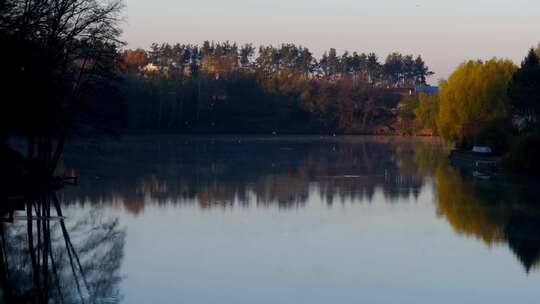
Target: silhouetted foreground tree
(58, 54)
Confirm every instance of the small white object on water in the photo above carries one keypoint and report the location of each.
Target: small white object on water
(480, 149)
(481, 175)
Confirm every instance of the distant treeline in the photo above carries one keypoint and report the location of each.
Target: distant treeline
(214, 58)
(224, 88)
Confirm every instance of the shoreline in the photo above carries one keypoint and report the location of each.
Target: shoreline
(277, 134)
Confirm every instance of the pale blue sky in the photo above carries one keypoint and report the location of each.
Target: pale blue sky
(445, 32)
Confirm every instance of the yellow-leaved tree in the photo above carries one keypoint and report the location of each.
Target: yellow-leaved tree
(426, 112)
(475, 95)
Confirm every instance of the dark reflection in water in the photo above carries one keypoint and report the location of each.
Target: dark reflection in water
(47, 259)
(225, 171)
(145, 179)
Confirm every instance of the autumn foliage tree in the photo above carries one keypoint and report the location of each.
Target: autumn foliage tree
(426, 112)
(135, 59)
(474, 96)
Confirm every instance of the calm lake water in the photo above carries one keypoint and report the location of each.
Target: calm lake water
(176, 219)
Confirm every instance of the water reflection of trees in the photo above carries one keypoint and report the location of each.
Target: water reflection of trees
(229, 171)
(495, 212)
(47, 259)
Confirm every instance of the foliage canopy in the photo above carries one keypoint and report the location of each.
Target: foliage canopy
(474, 95)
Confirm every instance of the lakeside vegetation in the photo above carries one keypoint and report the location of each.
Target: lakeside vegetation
(226, 88)
(220, 88)
(495, 104)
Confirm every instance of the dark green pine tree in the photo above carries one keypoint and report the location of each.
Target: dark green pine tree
(333, 62)
(324, 66)
(524, 92)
